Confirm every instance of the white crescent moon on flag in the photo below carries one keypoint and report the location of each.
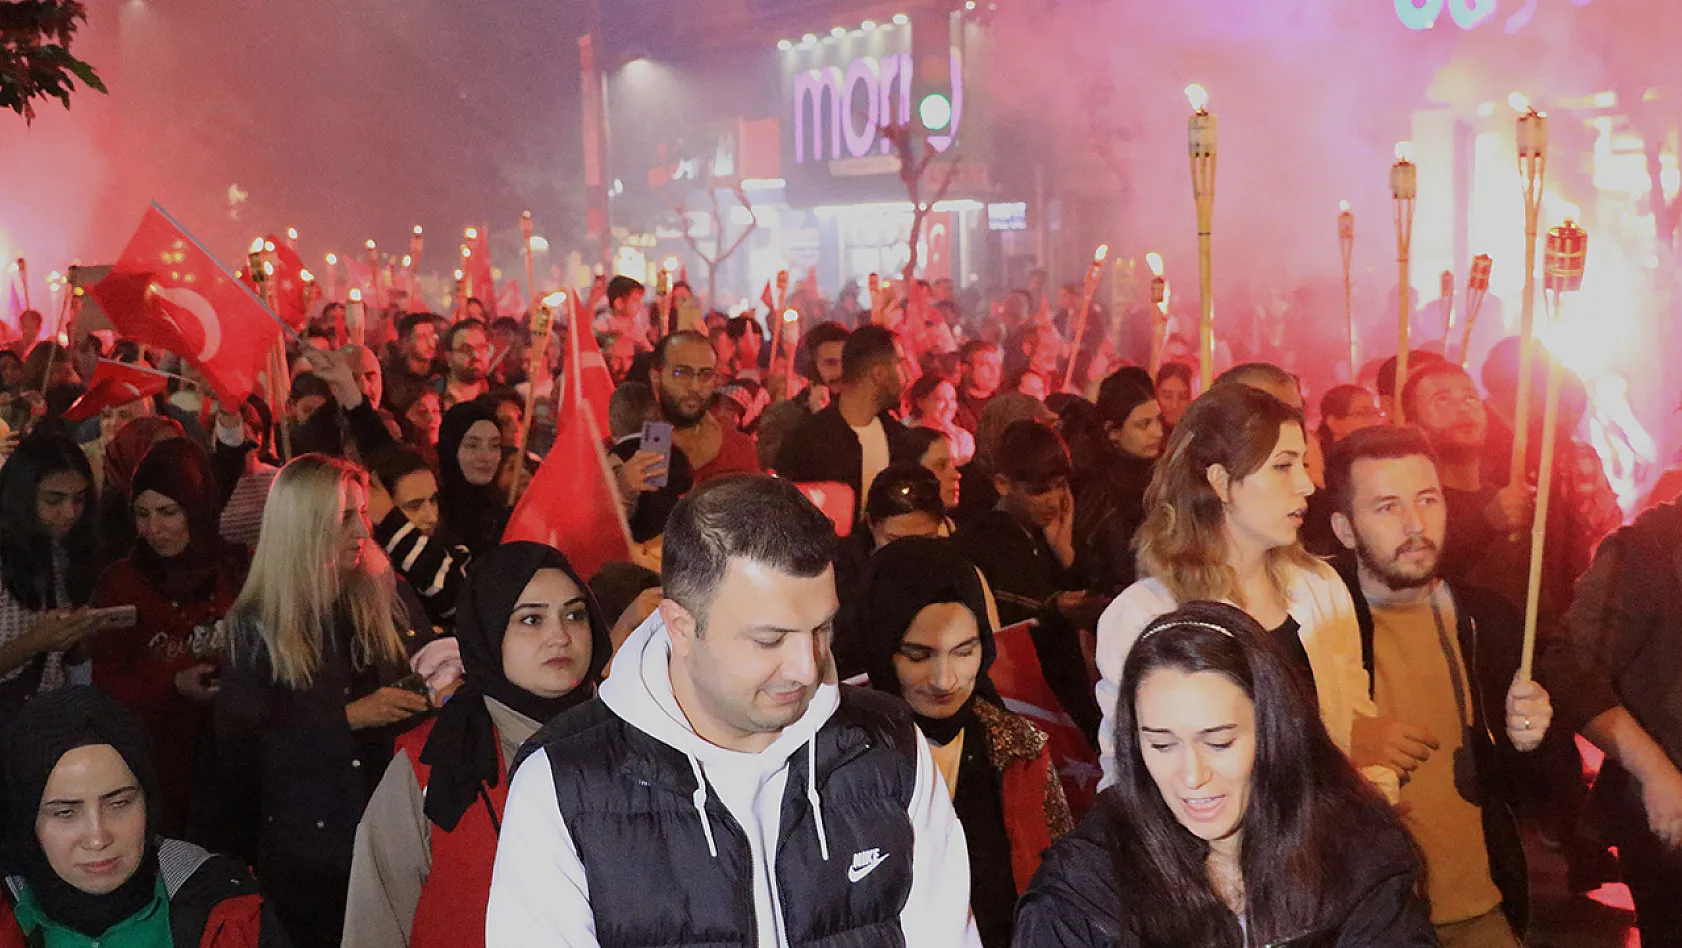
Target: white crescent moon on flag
(203, 312)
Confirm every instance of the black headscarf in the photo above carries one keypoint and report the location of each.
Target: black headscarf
(180, 470)
(904, 577)
(474, 513)
(462, 750)
(47, 728)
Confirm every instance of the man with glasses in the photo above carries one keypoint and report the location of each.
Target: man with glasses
(467, 355)
(684, 375)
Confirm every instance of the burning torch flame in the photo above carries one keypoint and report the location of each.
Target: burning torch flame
(332, 259)
(1198, 96)
(1404, 151)
(408, 261)
(1343, 207)
(1519, 102)
(458, 276)
(1102, 252)
(417, 230)
(553, 300)
(306, 276)
(466, 252)
(268, 246)
(268, 268)
(672, 265)
(355, 295)
(370, 244)
(790, 315)
(256, 247)
(291, 233)
(472, 233)
(1154, 261)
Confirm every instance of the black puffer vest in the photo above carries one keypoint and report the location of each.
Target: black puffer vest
(628, 800)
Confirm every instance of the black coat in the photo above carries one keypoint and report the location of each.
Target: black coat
(1073, 901)
(824, 448)
(1491, 638)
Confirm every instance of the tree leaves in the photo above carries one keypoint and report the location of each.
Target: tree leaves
(35, 58)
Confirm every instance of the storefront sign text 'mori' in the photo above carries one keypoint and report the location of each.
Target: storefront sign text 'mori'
(853, 104)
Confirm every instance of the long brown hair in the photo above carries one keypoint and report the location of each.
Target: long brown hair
(1183, 541)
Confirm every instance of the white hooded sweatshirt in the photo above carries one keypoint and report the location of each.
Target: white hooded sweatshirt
(539, 892)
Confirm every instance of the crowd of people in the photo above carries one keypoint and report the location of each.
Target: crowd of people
(269, 674)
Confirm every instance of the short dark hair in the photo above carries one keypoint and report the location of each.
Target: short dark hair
(622, 286)
(459, 328)
(924, 387)
(1258, 374)
(902, 488)
(306, 384)
(1378, 443)
(739, 326)
(1032, 454)
(968, 350)
(912, 444)
(406, 325)
(751, 516)
(631, 404)
(1387, 369)
(1430, 370)
(663, 349)
(867, 347)
(395, 462)
(617, 585)
(825, 333)
(507, 324)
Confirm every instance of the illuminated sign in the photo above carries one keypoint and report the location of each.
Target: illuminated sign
(1008, 216)
(839, 112)
(1467, 14)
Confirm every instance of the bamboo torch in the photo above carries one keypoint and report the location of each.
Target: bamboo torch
(373, 264)
(262, 272)
(461, 294)
(356, 318)
(1532, 166)
(292, 238)
(1404, 189)
(542, 321)
(874, 285)
(525, 233)
(790, 331)
(1159, 311)
(1202, 146)
(1477, 287)
(22, 268)
(1567, 249)
(668, 311)
(1094, 275)
(333, 276)
(1346, 241)
(417, 242)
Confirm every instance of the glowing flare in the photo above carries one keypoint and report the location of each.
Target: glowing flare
(1154, 261)
(472, 233)
(268, 268)
(408, 261)
(466, 252)
(1343, 206)
(355, 295)
(306, 276)
(458, 276)
(1198, 96)
(672, 265)
(268, 246)
(1404, 151)
(417, 230)
(369, 244)
(291, 233)
(1102, 252)
(1519, 102)
(790, 315)
(332, 259)
(555, 299)
(256, 247)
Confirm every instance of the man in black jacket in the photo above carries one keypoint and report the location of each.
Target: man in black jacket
(1435, 688)
(851, 441)
(1619, 669)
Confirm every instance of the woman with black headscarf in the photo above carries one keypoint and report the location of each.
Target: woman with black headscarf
(85, 863)
(469, 459)
(928, 637)
(181, 577)
(533, 645)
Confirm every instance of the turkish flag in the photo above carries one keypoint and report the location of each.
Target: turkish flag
(511, 301)
(289, 284)
(571, 503)
(167, 291)
(113, 384)
(588, 368)
(481, 283)
(1017, 675)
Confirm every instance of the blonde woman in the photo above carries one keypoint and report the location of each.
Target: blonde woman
(1223, 515)
(306, 713)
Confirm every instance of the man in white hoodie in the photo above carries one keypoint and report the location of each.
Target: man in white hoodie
(722, 789)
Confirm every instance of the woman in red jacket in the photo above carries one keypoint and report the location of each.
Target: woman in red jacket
(84, 862)
(533, 644)
(928, 636)
(181, 578)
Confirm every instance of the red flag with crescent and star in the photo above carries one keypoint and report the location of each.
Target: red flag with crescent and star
(167, 291)
(289, 284)
(113, 384)
(572, 502)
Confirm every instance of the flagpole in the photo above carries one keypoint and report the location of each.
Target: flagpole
(542, 321)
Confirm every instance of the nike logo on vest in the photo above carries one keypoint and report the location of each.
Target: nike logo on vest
(864, 863)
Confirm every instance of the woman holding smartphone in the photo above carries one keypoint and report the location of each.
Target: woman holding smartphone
(307, 712)
(180, 578)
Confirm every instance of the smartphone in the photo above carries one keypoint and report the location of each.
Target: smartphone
(114, 617)
(657, 437)
(689, 315)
